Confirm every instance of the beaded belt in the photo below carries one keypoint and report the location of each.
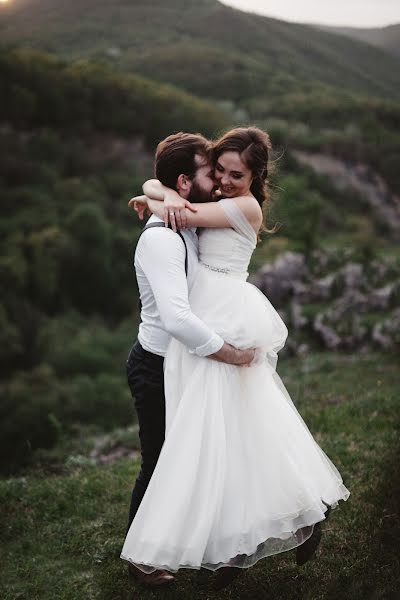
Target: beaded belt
(217, 269)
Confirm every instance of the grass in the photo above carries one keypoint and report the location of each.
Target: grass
(62, 531)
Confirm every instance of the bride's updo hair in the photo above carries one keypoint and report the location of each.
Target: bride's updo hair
(255, 149)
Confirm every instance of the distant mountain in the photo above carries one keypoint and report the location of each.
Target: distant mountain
(202, 46)
(386, 38)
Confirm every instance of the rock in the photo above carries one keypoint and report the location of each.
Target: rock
(112, 446)
(378, 272)
(352, 300)
(298, 320)
(277, 280)
(382, 340)
(386, 334)
(352, 274)
(343, 293)
(340, 325)
(322, 289)
(380, 298)
(320, 260)
(114, 51)
(303, 349)
(328, 335)
(301, 291)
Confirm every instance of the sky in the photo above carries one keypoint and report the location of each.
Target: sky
(351, 13)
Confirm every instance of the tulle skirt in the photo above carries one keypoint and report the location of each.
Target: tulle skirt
(240, 476)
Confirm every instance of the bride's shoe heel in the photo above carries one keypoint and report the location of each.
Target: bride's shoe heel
(225, 576)
(307, 550)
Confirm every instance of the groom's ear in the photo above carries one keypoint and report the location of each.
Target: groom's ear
(183, 184)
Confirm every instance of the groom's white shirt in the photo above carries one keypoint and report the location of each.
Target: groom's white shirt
(163, 288)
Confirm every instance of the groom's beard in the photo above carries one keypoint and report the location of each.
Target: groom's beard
(197, 194)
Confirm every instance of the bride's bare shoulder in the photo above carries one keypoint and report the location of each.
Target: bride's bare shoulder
(249, 207)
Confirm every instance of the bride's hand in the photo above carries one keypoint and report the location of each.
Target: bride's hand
(174, 210)
(140, 205)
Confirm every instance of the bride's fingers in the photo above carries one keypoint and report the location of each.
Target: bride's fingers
(182, 214)
(136, 208)
(141, 199)
(190, 206)
(172, 220)
(166, 217)
(140, 209)
(178, 217)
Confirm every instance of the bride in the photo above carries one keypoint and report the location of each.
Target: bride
(240, 476)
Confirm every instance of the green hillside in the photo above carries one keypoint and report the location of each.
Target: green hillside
(202, 46)
(310, 88)
(38, 89)
(386, 38)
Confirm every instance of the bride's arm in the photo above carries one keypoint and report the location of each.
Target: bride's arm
(181, 213)
(210, 214)
(153, 188)
(158, 192)
(173, 210)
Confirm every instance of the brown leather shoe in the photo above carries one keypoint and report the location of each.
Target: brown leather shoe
(155, 579)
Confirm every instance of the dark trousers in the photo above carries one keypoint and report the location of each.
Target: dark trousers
(146, 381)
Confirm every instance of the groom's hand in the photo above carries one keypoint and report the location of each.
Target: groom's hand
(233, 356)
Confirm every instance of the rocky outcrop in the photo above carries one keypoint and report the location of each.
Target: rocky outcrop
(384, 205)
(387, 332)
(279, 280)
(342, 307)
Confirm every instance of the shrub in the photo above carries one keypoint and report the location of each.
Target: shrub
(29, 415)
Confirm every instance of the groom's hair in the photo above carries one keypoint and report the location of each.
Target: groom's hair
(176, 155)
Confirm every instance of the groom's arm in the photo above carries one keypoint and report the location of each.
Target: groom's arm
(162, 258)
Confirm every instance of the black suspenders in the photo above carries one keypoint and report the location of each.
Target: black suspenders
(161, 224)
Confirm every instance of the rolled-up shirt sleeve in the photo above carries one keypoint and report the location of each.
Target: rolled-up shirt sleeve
(162, 259)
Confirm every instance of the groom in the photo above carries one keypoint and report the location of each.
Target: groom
(165, 264)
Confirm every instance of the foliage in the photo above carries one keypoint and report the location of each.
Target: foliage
(66, 234)
(300, 209)
(81, 379)
(38, 89)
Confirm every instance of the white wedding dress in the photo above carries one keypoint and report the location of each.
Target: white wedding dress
(240, 476)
